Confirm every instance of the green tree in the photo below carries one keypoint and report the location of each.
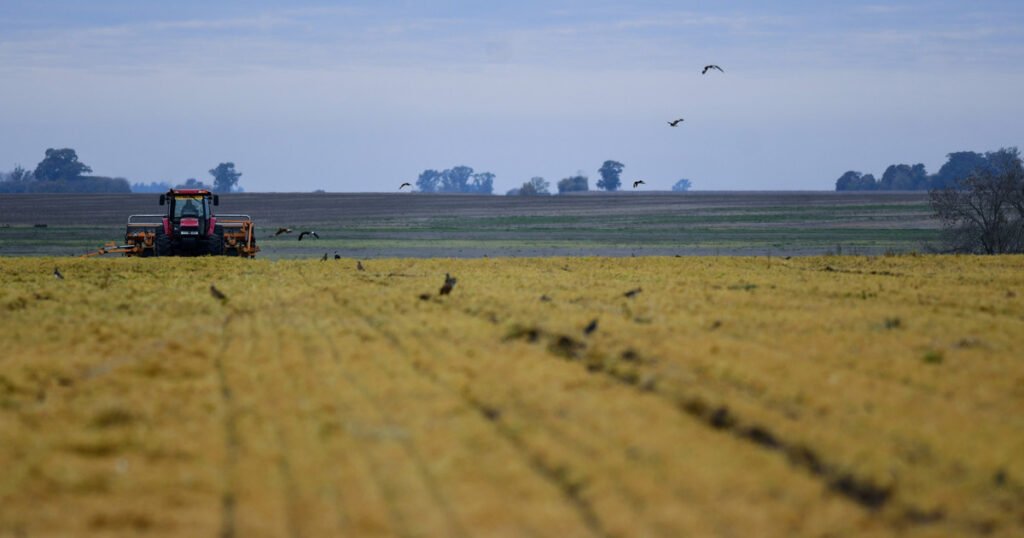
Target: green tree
(959, 165)
(225, 177)
(17, 180)
(428, 181)
(456, 179)
(60, 164)
(154, 186)
(20, 175)
(541, 185)
(193, 183)
(577, 183)
(483, 183)
(855, 181)
(682, 185)
(536, 186)
(611, 172)
(903, 177)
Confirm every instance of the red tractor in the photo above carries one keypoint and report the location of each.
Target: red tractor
(188, 228)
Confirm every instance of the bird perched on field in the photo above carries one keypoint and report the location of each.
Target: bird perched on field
(337, 256)
(304, 234)
(710, 67)
(404, 185)
(632, 293)
(449, 283)
(591, 327)
(282, 231)
(56, 274)
(217, 294)
(673, 123)
(638, 182)
(324, 258)
(359, 266)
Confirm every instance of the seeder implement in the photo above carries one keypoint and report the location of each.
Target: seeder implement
(239, 235)
(113, 248)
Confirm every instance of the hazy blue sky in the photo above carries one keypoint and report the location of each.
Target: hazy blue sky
(361, 96)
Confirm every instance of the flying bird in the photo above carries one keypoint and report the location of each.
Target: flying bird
(56, 274)
(710, 67)
(404, 185)
(282, 231)
(217, 294)
(632, 293)
(359, 266)
(591, 327)
(638, 182)
(449, 283)
(304, 234)
(673, 123)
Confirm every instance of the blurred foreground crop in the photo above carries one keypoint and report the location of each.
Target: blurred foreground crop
(837, 396)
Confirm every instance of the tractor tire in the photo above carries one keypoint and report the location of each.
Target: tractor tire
(215, 245)
(162, 244)
(225, 250)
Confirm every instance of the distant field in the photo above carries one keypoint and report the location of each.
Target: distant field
(414, 225)
(815, 396)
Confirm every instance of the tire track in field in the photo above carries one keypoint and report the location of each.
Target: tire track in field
(551, 474)
(300, 507)
(343, 519)
(861, 491)
(232, 437)
(284, 468)
(560, 474)
(546, 472)
(387, 493)
(717, 413)
(557, 474)
(401, 525)
(821, 462)
(455, 526)
(229, 497)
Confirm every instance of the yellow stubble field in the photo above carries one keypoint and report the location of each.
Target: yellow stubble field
(829, 396)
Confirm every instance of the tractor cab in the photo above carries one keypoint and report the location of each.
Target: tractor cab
(189, 212)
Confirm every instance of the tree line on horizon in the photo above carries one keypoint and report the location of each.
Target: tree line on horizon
(906, 177)
(61, 171)
(463, 179)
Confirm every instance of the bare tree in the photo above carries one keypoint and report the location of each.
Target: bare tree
(984, 213)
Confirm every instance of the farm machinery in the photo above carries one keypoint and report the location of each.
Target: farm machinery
(187, 228)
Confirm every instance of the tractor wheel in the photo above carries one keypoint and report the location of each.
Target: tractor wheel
(162, 244)
(215, 244)
(225, 250)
